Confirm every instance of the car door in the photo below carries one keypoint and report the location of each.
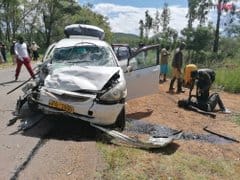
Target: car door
(142, 75)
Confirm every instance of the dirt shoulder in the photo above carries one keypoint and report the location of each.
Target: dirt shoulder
(162, 109)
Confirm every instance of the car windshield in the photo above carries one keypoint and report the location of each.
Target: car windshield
(86, 55)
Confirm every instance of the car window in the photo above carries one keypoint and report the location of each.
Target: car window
(90, 55)
(144, 59)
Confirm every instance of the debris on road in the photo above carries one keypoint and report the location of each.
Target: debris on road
(31, 121)
(153, 142)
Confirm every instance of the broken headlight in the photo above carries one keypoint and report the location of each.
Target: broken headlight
(118, 92)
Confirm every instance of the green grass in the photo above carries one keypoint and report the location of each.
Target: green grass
(228, 78)
(236, 119)
(130, 163)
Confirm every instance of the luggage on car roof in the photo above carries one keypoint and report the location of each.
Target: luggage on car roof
(83, 30)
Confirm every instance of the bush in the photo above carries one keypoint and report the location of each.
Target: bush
(228, 77)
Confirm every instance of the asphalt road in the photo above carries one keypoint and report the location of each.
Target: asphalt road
(55, 148)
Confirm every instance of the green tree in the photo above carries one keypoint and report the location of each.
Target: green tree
(141, 28)
(44, 20)
(200, 40)
(220, 7)
(192, 12)
(87, 16)
(148, 24)
(219, 13)
(13, 14)
(165, 18)
(156, 22)
(233, 28)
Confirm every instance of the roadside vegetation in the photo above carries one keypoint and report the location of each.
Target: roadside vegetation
(130, 163)
(207, 47)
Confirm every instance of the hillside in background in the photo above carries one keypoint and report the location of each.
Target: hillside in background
(131, 39)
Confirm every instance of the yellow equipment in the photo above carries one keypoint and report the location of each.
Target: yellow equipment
(187, 74)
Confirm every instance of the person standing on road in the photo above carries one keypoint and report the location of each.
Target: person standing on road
(3, 52)
(22, 57)
(164, 64)
(34, 49)
(1, 57)
(12, 52)
(177, 69)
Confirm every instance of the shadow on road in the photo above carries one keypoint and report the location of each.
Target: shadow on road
(62, 128)
(140, 115)
(9, 82)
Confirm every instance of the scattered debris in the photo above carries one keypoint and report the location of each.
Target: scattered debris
(225, 137)
(30, 121)
(69, 173)
(155, 130)
(12, 121)
(153, 142)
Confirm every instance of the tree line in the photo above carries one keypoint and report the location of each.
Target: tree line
(43, 21)
(199, 39)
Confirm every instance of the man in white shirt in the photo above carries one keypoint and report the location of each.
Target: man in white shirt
(22, 57)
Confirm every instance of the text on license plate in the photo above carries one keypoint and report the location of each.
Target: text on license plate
(61, 106)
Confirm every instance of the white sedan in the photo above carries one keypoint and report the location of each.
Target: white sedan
(81, 77)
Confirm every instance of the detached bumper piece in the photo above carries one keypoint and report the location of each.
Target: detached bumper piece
(152, 143)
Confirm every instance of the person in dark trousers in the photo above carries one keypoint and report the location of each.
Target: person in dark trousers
(22, 55)
(204, 78)
(3, 51)
(177, 69)
(12, 52)
(34, 48)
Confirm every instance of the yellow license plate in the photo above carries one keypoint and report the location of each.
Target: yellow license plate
(61, 106)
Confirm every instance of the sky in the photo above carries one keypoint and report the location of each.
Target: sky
(124, 15)
(139, 3)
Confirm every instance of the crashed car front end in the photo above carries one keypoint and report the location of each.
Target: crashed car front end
(82, 80)
(96, 106)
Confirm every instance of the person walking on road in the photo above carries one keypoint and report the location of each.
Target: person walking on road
(22, 57)
(177, 69)
(164, 64)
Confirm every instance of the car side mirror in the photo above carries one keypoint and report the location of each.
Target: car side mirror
(129, 68)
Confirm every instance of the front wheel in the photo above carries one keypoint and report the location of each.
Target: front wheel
(33, 106)
(121, 120)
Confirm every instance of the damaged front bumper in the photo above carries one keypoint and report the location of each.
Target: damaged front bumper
(77, 105)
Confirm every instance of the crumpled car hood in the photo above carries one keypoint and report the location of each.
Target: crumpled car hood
(76, 78)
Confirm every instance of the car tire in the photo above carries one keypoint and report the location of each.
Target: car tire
(33, 106)
(120, 121)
